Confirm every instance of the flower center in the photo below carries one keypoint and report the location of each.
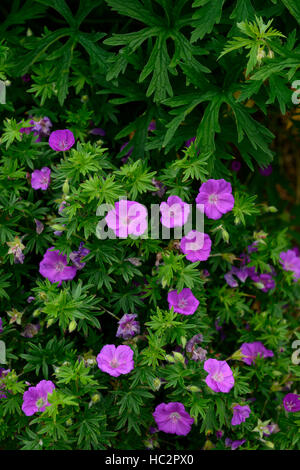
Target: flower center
(59, 267)
(182, 303)
(213, 198)
(218, 377)
(290, 405)
(114, 363)
(41, 402)
(174, 417)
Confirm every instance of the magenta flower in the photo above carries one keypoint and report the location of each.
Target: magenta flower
(264, 281)
(290, 261)
(220, 377)
(216, 197)
(184, 302)
(234, 444)
(291, 402)
(128, 326)
(196, 246)
(36, 398)
(240, 414)
(115, 361)
(127, 218)
(40, 179)
(172, 418)
(174, 212)
(252, 350)
(54, 267)
(61, 140)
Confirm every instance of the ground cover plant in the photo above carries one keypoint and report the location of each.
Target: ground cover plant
(115, 331)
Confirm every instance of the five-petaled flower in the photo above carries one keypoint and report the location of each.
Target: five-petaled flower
(173, 419)
(36, 398)
(114, 360)
(61, 140)
(183, 302)
(220, 377)
(216, 197)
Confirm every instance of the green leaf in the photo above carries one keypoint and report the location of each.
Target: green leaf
(206, 17)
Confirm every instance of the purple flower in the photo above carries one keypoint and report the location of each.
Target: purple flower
(290, 261)
(173, 419)
(196, 246)
(39, 226)
(198, 354)
(29, 129)
(234, 444)
(184, 302)
(30, 330)
(128, 217)
(30, 299)
(1, 325)
(54, 267)
(253, 247)
(98, 131)
(190, 141)
(3, 373)
(42, 127)
(40, 179)
(196, 339)
(76, 256)
(236, 165)
(291, 402)
(240, 414)
(26, 78)
(36, 398)
(174, 212)
(252, 350)
(129, 152)
(220, 377)
(61, 140)
(115, 361)
(270, 429)
(152, 125)
(219, 434)
(266, 171)
(230, 279)
(217, 198)
(128, 326)
(161, 188)
(265, 282)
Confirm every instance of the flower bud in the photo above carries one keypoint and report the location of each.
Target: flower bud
(156, 383)
(66, 187)
(72, 326)
(96, 397)
(193, 388)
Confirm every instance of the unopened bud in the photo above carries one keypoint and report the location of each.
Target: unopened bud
(193, 388)
(178, 357)
(96, 397)
(72, 326)
(66, 187)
